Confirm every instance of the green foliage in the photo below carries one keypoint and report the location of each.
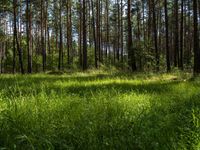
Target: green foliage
(99, 110)
(2, 35)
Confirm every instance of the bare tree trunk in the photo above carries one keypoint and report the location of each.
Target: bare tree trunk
(84, 36)
(29, 36)
(131, 51)
(181, 39)
(16, 40)
(155, 36)
(61, 38)
(176, 34)
(167, 37)
(196, 40)
(94, 36)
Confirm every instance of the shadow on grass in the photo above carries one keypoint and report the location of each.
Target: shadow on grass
(39, 79)
(165, 126)
(23, 87)
(117, 88)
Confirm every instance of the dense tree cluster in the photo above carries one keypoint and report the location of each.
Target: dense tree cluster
(44, 35)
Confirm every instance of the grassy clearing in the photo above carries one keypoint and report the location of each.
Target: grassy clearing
(100, 111)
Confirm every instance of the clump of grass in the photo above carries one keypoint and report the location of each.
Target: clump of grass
(99, 110)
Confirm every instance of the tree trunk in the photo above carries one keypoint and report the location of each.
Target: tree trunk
(155, 36)
(84, 37)
(167, 37)
(131, 51)
(16, 40)
(181, 39)
(196, 40)
(28, 30)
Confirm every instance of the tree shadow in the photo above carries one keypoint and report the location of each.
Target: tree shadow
(118, 88)
(20, 86)
(163, 126)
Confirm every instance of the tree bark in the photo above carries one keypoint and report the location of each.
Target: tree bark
(131, 51)
(167, 37)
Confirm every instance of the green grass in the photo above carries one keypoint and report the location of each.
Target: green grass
(100, 111)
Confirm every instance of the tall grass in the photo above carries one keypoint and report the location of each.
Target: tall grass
(99, 111)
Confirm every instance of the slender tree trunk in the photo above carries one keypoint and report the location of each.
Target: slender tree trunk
(42, 37)
(176, 34)
(14, 46)
(138, 35)
(94, 36)
(181, 39)
(131, 51)
(98, 30)
(118, 31)
(28, 30)
(122, 34)
(155, 36)
(16, 40)
(61, 38)
(84, 37)
(167, 37)
(196, 40)
(80, 35)
(70, 31)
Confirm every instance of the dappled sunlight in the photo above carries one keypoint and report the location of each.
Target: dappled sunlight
(111, 111)
(99, 75)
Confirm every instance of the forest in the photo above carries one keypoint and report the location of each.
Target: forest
(100, 74)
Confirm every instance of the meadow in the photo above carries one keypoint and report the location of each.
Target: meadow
(100, 110)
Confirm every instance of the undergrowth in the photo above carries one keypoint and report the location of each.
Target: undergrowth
(100, 110)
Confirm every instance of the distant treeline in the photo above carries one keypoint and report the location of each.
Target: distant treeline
(142, 35)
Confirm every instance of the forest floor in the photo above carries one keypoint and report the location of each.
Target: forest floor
(99, 110)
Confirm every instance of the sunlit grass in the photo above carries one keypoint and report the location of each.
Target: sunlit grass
(100, 110)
